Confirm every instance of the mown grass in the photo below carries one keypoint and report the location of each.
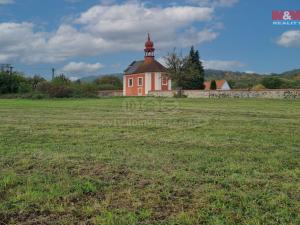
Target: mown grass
(150, 161)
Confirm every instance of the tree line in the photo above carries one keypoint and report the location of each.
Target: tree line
(17, 85)
(186, 72)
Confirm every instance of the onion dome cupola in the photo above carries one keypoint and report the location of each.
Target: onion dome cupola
(149, 50)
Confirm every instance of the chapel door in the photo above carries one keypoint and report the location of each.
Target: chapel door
(140, 92)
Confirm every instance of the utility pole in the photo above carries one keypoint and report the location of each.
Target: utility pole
(11, 70)
(53, 73)
(5, 68)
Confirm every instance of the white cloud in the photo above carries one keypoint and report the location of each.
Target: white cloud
(225, 3)
(222, 64)
(17, 40)
(3, 2)
(162, 61)
(68, 42)
(115, 23)
(105, 29)
(214, 3)
(81, 68)
(289, 38)
(214, 64)
(74, 78)
(192, 36)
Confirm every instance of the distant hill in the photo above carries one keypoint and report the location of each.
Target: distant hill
(90, 79)
(236, 79)
(248, 80)
(292, 74)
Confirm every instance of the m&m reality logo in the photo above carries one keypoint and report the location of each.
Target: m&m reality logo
(286, 17)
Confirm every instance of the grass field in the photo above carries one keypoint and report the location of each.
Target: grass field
(150, 161)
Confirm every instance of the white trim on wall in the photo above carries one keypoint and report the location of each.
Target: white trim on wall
(147, 82)
(157, 81)
(170, 85)
(130, 79)
(124, 85)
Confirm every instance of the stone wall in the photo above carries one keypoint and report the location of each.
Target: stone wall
(271, 94)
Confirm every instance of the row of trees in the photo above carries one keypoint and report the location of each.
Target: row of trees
(59, 87)
(276, 83)
(187, 73)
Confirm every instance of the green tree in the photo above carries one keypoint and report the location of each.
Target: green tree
(213, 85)
(175, 64)
(232, 83)
(84, 89)
(272, 82)
(61, 80)
(13, 83)
(35, 81)
(194, 71)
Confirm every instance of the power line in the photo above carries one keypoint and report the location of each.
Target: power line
(11, 70)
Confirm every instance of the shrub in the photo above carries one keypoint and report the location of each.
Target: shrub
(290, 84)
(213, 85)
(104, 87)
(44, 87)
(84, 90)
(60, 92)
(232, 83)
(24, 87)
(109, 83)
(258, 87)
(34, 95)
(61, 80)
(272, 82)
(13, 83)
(54, 90)
(35, 81)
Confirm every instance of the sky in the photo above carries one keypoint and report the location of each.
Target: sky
(92, 37)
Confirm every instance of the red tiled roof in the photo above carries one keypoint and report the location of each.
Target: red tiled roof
(219, 83)
(207, 85)
(145, 67)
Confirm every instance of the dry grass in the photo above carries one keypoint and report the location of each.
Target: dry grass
(149, 161)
